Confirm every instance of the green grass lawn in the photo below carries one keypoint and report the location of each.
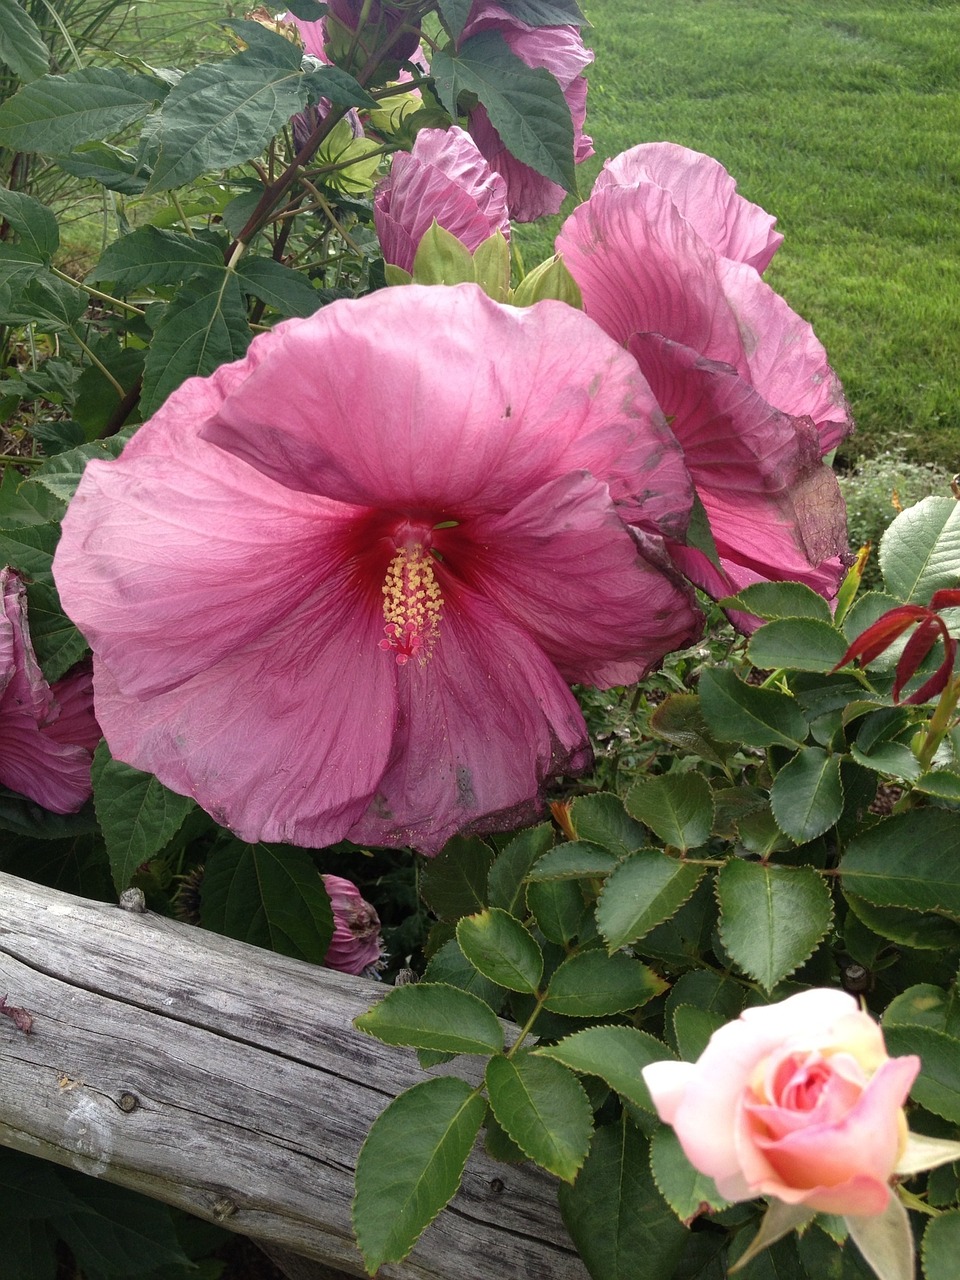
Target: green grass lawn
(844, 121)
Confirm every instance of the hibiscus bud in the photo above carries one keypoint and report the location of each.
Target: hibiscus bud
(355, 944)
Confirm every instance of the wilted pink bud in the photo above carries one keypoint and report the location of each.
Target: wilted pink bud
(445, 178)
(355, 944)
(46, 734)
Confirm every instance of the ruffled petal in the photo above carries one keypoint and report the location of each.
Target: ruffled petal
(564, 567)
(705, 195)
(178, 554)
(482, 725)
(75, 722)
(52, 774)
(22, 686)
(285, 739)
(335, 405)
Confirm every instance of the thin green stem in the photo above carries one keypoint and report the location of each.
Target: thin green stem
(181, 215)
(99, 363)
(527, 1026)
(16, 460)
(96, 293)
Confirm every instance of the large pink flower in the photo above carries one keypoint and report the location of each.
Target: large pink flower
(797, 1100)
(336, 589)
(666, 255)
(47, 734)
(445, 178)
(560, 50)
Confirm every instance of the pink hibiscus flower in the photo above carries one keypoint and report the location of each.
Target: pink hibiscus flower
(443, 177)
(47, 735)
(355, 945)
(337, 589)
(666, 255)
(561, 51)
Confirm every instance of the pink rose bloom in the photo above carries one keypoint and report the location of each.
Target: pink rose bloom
(355, 944)
(47, 734)
(666, 255)
(561, 51)
(445, 178)
(337, 589)
(798, 1101)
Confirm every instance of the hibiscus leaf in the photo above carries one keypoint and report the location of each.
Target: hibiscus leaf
(137, 814)
(203, 327)
(270, 896)
(618, 1220)
(34, 223)
(500, 948)
(411, 1164)
(771, 917)
(150, 256)
(56, 641)
(21, 44)
(454, 883)
(546, 13)
(432, 1015)
(525, 104)
(56, 113)
(223, 113)
(544, 1109)
(642, 892)
(285, 290)
(455, 14)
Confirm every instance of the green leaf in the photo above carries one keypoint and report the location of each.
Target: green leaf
(137, 814)
(687, 1191)
(428, 1015)
(576, 860)
(56, 641)
(679, 720)
(920, 551)
(338, 86)
(617, 1055)
(47, 301)
(454, 883)
(113, 1231)
(937, 1087)
(30, 549)
(526, 105)
(21, 44)
(941, 1246)
(942, 783)
(18, 266)
(771, 918)
(268, 895)
(411, 1164)
(223, 113)
(544, 1109)
(547, 13)
(922, 930)
(645, 890)
(677, 807)
(55, 113)
(738, 712)
(892, 759)
(451, 966)
(149, 256)
(602, 819)
(61, 475)
(802, 644)
(34, 223)
(771, 600)
(549, 279)
(506, 877)
(594, 985)
(442, 259)
(203, 327)
(807, 795)
(925, 1005)
(112, 167)
(309, 10)
(501, 949)
(558, 908)
(285, 290)
(455, 14)
(692, 1029)
(618, 1220)
(910, 860)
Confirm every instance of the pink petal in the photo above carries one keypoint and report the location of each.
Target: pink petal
(75, 721)
(166, 573)
(563, 566)
(354, 417)
(52, 774)
(284, 739)
(667, 1083)
(22, 686)
(482, 724)
(444, 178)
(704, 193)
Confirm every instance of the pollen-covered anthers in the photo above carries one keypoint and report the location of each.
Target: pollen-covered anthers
(412, 605)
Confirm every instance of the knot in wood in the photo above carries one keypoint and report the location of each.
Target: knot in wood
(223, 1207)
(128, 1102)
(133, 900)
(496, 1186)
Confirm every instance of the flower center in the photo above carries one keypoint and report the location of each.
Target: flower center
(412, 605)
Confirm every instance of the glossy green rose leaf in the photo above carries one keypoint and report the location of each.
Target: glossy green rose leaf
(770, 600)
(594, 985)
(576, 860)
(802, 644)
(687, 1192)
(601, 819)
(920, 551)
(739, 712)
(507, 875)
(677, 807)
(543, 1108)
(807, 794)
(500, 948)
(910, 860)
(616, 1055)
(433, 1015)
(454, 883)
(642, 892)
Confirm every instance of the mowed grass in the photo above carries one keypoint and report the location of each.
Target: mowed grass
(844, 121)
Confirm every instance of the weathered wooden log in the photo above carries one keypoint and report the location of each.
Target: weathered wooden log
(228, 1081)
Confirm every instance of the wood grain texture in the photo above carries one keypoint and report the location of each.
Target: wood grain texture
(229, 1081)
